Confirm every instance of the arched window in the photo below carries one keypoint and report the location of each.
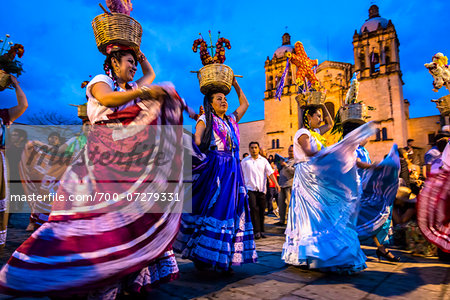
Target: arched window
(387, 55)
(270, 83)
(384, 136)
(330, 108)
(273, 144)
(278, 143)
(378, 137)
(362, 61)
(374, 62)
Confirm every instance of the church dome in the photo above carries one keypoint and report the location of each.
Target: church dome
(372, 24)
(282, 50)
(374, 20)
(285, 46)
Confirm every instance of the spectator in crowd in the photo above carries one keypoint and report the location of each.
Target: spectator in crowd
(406, 231)
(272, 193)
(404, 170)
(15, 147)
(412, 152)
(286, 177)
(256, 169)
(54, 139)
(433, 161)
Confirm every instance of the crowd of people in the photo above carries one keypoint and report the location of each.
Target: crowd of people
(330, 198)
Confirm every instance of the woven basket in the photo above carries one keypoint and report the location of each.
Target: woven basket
(215, 77)
(116, 28)
(443, 104)
(312, 97)
(356, 112)
(5, 80)
(82, 111)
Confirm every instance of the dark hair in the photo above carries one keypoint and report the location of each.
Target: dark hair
(21, 133)
(442, 143)
(107, 65)
(209, 111)
(254, 143)
(309, 110)
(54, 133)
(348, 127)
(245, 155)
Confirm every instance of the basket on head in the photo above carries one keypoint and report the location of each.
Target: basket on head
(82, 111)
(116, 28)
(312, 97)
(354, 112)
(443, 104)
(5, 80)
(215, 77)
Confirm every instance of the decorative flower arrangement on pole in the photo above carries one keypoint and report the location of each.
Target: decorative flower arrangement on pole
(440, 71)
(214, 76)
(8, 63)
(309, 88)
(354, 110)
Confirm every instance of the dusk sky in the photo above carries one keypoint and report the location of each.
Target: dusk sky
(60, 49)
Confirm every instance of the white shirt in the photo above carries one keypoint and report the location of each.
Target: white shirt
(299, 154)
(255, 173)
(95, 110)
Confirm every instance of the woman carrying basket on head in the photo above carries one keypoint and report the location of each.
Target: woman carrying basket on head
(320, 232)
(218, 233)
(100, 247)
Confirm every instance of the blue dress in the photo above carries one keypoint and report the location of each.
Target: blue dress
(378, 190)
(219, 231)
(321, 231)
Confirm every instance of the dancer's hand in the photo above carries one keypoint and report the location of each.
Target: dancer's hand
(14, 81)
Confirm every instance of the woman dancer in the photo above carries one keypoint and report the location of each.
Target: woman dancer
(218, 233)
(379, 184)
(321, 231)
(99, 247)
(433, 205)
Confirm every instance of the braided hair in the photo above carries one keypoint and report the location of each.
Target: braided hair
(309, 110)
(109, 70)
(209, 112)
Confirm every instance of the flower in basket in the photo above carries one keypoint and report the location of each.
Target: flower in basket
(8, 63)
(205, 56)
(120, 6)
(352, 93)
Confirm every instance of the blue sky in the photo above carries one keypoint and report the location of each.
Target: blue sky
(60, 50)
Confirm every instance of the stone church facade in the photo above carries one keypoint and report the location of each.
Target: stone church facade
(377, 63)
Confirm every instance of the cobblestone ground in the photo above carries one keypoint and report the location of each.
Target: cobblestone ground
(412, 278)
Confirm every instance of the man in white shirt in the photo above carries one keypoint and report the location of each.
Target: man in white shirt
(256, 169)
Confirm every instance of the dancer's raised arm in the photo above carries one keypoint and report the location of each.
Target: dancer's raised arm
(22, 103)
(243, 102)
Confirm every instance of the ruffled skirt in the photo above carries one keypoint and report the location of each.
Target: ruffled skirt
(321, 230)
(219, 231)
(113, 238)
(433, 210)
(379, 188)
